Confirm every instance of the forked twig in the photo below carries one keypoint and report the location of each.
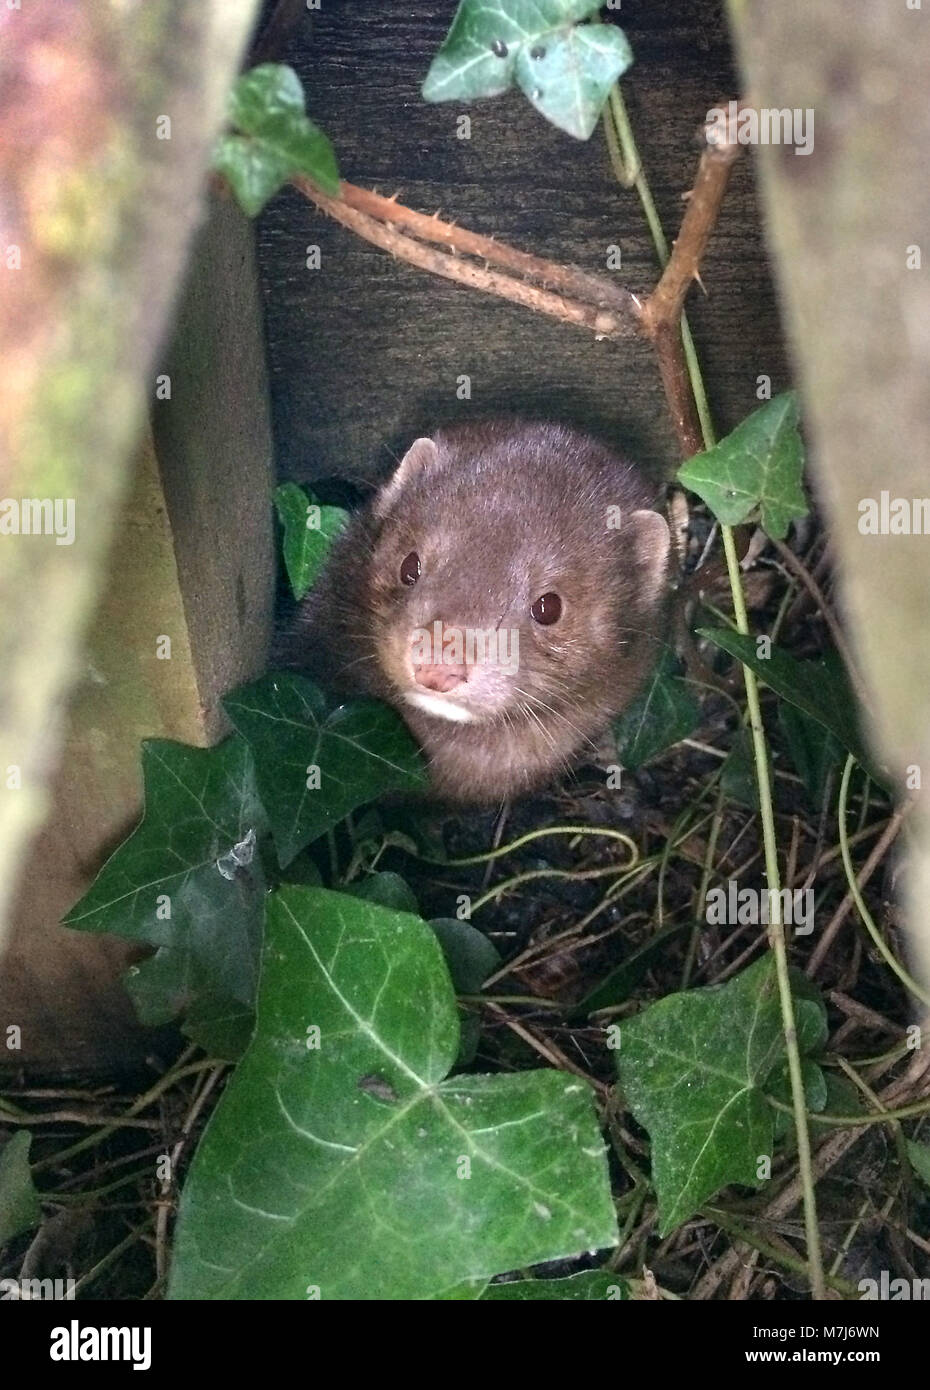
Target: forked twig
(563, 292)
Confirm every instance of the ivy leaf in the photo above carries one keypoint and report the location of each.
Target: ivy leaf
(815, 1096)
(843, 1098)
(254, 173)
(820, 689)
(470, 959)
(738, 779)
(919, 1155)
(189, 879)
(348, 755)
(19, 1200)
(694, 1068)
(309, 530)
(665, 712)
(168, 983)
(569, 77)
(758, 465)
(388, 889)
(590, 1286)
(814, 752)
(565, 68)
(619, 985)
(324, 1143)
(276, 140)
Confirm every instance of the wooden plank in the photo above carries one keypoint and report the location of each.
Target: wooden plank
(365, 352)
(193, 560)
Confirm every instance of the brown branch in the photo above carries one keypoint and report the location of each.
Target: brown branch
(549, 275)
(661, 315)
(605, 322)
(666, 302)
(673, 369)
(561, 291)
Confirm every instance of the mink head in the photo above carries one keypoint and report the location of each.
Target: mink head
(513, 575)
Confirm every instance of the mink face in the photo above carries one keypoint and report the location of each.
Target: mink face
(504, 591)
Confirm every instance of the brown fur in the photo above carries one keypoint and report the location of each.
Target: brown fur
(499, 514)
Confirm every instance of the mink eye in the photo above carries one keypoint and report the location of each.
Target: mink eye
(410, 568)
(547, 610)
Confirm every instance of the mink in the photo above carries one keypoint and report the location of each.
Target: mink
(505, 591)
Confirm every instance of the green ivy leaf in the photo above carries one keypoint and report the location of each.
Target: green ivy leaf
(19, 1200)
(169, 983)
(758, 465)
(189, 879)
(591, 1286)
(919, 1155)
(738, 779)
(843, 1098)
(570, 80)
(356, 752)
(565, 68)
(470, 959)
(254, 173)
(221, 1027)
(388, 889)
(815, 1095)
(820, 688)
(314, 1152)
(309, 530)
(276, 140)
(814, 752)
(664, 712)
(617, 987)
(694, 1068)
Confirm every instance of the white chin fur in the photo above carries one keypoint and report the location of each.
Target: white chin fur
(435, 704)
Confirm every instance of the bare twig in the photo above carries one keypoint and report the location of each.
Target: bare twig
(578, 298)
(563, 292)
(548, 275)
(662, 311)
(800, 570)
(910, 1086)
(865, 873)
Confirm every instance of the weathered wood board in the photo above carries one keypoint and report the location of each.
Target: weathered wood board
(193, 560)
(365, 352)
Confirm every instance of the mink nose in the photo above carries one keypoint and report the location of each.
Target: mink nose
(433, 656)
(441, 677)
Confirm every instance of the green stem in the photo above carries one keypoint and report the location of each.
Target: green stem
(632, 162)
(771, 1252)
(163, 1084)
(630, 175)
(907, 980)
(881, 1117)
(531, 835)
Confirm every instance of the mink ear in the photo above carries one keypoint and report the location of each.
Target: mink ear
(421, 454)
(650, 541)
